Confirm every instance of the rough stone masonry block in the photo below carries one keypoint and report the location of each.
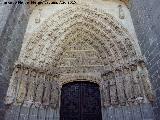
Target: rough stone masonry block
(33, 114)
(13, 113)
(119, 113)
(41, 114)
(24, 114)
(136, 112)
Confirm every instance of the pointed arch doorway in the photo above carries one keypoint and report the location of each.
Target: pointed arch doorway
(80, 101)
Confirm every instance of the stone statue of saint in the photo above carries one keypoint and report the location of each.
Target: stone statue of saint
(22, 91)
(105, 92)
(12, 89)
(54, 95)
(47, 92)
(146, 82)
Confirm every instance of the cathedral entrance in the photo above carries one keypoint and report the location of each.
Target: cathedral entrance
(80, 43)
(80, 101)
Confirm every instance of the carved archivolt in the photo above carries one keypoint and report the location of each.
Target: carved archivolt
(100, 30)
(80, 44)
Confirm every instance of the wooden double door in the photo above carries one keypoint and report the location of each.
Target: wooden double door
(80, 101)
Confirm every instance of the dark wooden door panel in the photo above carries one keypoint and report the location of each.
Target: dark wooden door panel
(80, 101)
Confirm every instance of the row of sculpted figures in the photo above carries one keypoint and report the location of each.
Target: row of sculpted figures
(127, 86)
(29, 87)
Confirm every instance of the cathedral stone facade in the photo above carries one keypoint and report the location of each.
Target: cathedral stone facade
(83, 43)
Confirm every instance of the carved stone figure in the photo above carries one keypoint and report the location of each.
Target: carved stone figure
(113, 88)
(146, 82)
(128, 84)
(31, 87)
(137, 91)
(12, 90)
(22, 90)
(47, 91)
(120, 86)
(38, 18)
(121, 12)
(106, 92)
(54, 95)
(39, 89)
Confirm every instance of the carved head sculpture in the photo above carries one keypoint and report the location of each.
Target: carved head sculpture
(121, 12)
(41, 76)
(26, 70)
(133, 67)
(17, 69)
(118, 73)
(126, 70)
(34, 73)
(142, 64)
(110, 75)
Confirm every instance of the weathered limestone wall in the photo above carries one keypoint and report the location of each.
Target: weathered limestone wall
(13, 22)
(146, 18)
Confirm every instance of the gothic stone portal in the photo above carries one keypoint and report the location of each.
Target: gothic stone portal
(79, 43)
(80, 101)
